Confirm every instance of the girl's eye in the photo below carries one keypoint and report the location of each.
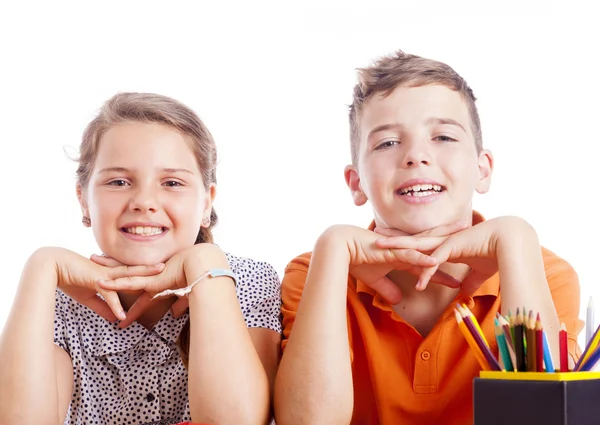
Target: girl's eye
(387, 144)
(445, 139)
(119, 183)
(172, 183)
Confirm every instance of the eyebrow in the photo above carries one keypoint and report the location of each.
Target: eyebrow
(429, 121)
(125, 170)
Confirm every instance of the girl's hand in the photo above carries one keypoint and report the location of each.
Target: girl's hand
(78, 277)
(144, 302)
(198, 257)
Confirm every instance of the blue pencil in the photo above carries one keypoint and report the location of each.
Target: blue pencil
(547, 355)
(590, 362)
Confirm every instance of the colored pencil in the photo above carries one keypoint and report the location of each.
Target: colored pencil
(519, 347)
(564, 353)
(508, 336)
(503, 347)
(480, 340)
(589, 322)
(547, 354)
(539, 345)
(589, 348)
(471, 342)
(475, 322)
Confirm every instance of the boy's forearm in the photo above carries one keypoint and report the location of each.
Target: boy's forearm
(227, 381)
(523, 280)
(28, 384)
(314, 380)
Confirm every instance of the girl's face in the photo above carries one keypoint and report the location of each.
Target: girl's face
(146, 198)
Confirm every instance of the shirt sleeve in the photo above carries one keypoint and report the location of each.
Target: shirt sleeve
(564, 288)
(292, 287)
(60, 321)
(259, 293)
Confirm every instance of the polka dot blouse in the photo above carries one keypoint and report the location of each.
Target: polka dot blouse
(135, 375)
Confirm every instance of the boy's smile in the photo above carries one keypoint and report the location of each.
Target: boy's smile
(146, 197)
(418, 164)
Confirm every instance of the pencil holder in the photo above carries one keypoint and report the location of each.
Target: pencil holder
(532, 398)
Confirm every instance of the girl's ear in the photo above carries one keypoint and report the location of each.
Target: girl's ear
(211, 193)
(486, 166)
(353, 182)
(81, 197)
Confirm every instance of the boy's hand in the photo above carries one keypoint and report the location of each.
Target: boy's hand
(371, 264)
(144, 301)
(476, 246)
(443, 230)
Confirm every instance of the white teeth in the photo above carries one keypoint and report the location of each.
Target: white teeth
(421, 189)
(144, 231)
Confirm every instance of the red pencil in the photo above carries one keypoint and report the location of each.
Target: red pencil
(564, 352)
(539, 344)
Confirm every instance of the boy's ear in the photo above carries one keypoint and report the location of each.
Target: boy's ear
(486, 166)
(353, 182)
(82, 201)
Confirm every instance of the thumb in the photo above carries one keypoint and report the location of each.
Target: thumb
(105, 261)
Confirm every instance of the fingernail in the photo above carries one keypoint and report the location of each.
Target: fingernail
(121, 315)
(159, 265)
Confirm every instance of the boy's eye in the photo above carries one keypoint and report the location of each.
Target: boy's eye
(444, 139)
(119, 183)
(172, 183)
(387, 144)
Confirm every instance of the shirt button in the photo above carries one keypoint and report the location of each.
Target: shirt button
(425, 355)
(149, 397)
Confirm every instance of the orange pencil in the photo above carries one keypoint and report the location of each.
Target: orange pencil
(479, 340)
(475, 322)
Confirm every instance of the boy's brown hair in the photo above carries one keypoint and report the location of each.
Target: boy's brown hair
(402, 69)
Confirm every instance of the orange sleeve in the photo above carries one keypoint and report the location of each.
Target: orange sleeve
(564, 287)
(292, 286)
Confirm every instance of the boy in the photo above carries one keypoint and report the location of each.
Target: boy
(374, 338)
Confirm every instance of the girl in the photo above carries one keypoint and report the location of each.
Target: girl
(146, 185)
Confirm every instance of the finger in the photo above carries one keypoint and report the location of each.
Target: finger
(445, 279)
(444, 229)
(142, 304)
(112, 300)
(131, 283)
(412, 256)
(105, 261)
(179, 307)
(126, 271)
(98, 305)
(387, 289)
(423, 244)
(389, 232)
(441, 254)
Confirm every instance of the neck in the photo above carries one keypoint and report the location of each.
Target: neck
(154, 311)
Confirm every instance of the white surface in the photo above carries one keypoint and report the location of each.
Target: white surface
(272, 83)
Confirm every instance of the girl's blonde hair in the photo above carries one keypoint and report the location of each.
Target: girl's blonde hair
(154, 108)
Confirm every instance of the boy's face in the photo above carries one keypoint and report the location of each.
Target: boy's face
(418, 163)
(146, 196)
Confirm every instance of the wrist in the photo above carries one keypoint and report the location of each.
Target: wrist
(202, 258)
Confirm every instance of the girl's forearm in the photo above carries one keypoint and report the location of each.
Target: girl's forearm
(28, 383)
(227, 382)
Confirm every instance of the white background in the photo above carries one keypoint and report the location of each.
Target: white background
(272, 83)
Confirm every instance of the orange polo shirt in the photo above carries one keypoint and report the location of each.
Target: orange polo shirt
(401, 377)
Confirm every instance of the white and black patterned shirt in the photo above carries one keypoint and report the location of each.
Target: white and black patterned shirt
(135, 375)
